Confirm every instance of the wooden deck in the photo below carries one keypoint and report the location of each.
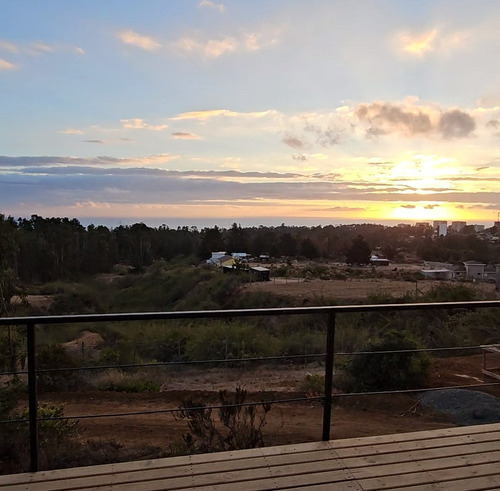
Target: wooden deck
(463, 458)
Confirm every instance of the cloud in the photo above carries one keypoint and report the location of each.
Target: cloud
(431, 207)
(180, 135)
(493, 123)
(157, 159)
(37, 48)
(144, 42)
(301, 157)
(456, 124)
(71, 131)
(385, 116)
(212, 5)
(138, 123)
(408, 207)
(295, 142)
(412, 120)
(6, 65)
(326, 137)
(207, 114)
(418, 45)
(211, 48)
(93, 141)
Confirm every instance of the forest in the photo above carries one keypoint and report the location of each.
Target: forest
(37, 249)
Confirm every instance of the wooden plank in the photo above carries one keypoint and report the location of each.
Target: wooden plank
(471, 484)
(426, 465)
(409, 445)
(437, 453)
(418, 458)
(429, 477)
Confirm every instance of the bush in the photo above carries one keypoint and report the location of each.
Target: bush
(56, 357)
(236, 428)
(389, 371)
(121, 382)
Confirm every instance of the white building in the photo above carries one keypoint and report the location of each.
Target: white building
(474, 269)
(440, 227)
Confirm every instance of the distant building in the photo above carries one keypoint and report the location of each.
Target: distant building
(496, 224)
(474, 269)
(458, 226)
(379, 261)
(440, 227)
(438, 274)
(221, 259)
(478, 228)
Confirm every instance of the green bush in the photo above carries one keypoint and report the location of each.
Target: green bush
(55, 357)
(389, 371)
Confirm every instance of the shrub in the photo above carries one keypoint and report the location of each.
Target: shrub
(313, 385)
(237, 427)
(388, 371)
(56, 357)
(121, 382)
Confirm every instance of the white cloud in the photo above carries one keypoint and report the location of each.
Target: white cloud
(181, 135)
(6, 65)
(212, 5)
(138, 123)
(144, 42)
(205, 115)
(418, 45)
(212, 48)
(71, 131)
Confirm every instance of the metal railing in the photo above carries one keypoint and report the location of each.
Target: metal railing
(329, 311)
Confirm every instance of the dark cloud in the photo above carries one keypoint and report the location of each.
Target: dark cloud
(373, 132)
(409, 207)
(456, 124)
(430, 207)
(300, 157)
(493, 123)
(482, 168)
(295, 142)
(385, 115)
(326, 137)
(93, 141)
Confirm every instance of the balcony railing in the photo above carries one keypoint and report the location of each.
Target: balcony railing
(330, 312)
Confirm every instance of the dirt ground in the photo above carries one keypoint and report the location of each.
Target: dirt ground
(352, 289)
(287, 422)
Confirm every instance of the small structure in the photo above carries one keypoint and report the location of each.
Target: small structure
(256, 273)
(261, 274)
(474, 269)
(440, 227)
(438, 274)
(379, 261)
(221, 259)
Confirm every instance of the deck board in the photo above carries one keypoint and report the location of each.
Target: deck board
(455, 459)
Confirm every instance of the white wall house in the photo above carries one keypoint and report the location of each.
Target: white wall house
(474, 269)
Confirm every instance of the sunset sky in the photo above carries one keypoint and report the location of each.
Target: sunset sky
(253, 111)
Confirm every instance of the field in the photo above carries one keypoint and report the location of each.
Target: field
(352, 289)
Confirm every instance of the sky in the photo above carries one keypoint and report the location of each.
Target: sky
(250, 111)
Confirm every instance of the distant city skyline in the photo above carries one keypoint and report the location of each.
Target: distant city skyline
(254, 112)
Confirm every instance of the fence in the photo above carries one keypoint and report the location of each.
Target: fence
(329, 311)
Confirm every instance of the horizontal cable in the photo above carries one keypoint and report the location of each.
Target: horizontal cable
(272, 401)
(263, 358)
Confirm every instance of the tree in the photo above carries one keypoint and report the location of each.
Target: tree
(359, 252)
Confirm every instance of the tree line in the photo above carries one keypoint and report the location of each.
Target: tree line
(39, 249)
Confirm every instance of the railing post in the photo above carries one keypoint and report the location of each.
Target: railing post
(32, 398)
(327, 401)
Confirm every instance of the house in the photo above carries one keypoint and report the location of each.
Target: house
(221, 259)
(474, 269)
(215, 257)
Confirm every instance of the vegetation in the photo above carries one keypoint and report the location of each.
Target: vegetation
(235, 427)
(383, 366)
